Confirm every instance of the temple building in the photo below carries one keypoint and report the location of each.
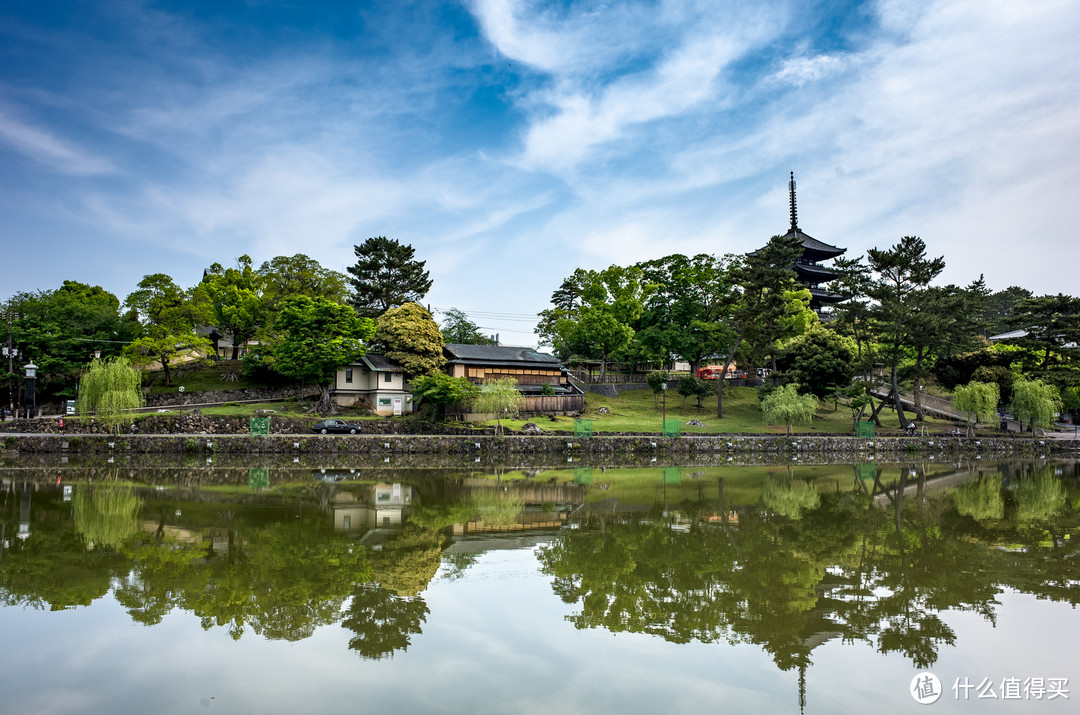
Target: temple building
(808, 266)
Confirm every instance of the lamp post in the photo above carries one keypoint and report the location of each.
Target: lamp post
(181, 403)
(31, 380)
(663, 420)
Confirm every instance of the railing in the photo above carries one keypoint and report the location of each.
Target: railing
(534, 405)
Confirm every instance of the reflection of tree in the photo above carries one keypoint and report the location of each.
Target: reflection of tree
(54, 570)
(383, 622)
(789, 497)
(847, 569)
(106, 515)
(409, 561)
(980, 499)
(457, 564)
(1040, 497)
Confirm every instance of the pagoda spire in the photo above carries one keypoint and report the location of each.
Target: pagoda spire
(791, 188)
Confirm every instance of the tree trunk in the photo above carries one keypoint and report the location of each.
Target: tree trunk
(165, 369)
(723, 376)
(897, 402)
(325, 405)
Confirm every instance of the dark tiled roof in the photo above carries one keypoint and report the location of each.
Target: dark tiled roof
(378, 362)
(813, 247)
(498, 354)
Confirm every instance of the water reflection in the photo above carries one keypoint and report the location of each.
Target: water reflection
(786, 558)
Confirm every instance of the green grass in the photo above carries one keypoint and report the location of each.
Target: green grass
(635, 411)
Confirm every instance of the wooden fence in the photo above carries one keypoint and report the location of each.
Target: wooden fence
(535, 405)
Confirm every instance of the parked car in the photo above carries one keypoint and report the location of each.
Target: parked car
(339, 426)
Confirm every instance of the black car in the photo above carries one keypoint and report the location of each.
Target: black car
(339, 426)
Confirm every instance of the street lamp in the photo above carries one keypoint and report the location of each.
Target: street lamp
(31, 380)
(97, 354)
(181, 403)
(663, 421)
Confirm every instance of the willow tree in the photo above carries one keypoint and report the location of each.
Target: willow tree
(1035, 402)
(500, 397)
(785, 404)
(109, 390)
(979, 399)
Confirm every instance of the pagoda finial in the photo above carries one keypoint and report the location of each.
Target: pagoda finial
(791, 188)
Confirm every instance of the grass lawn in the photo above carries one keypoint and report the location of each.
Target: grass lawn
(635, 411)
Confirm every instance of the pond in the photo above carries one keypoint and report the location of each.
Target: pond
(184, 586)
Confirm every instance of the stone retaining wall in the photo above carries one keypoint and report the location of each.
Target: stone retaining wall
(773, 448)
(241, 395)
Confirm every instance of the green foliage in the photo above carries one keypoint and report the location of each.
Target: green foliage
(109, 390)
(1039, 497)
(959, 369)
(168, 318)
(411, 339)
(316, 337)
(386, 274)
(1050, 321)
(789, 497)
(785, 404)
(59, 330)
(998, 375)
(501, 398)
(287, 276)
(593, 313)
(459, 330)
(233, 299)
(979, 399)
(980, 499)
(820, 360)
(1035, 402)
(684, 316)
(441, 390)
(691, 386)
(105, 515)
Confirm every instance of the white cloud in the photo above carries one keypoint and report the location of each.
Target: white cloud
(53, 151)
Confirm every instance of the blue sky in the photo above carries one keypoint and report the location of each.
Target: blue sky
(512, 141)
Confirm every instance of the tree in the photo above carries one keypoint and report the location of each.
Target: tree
(386, 274)
(411, 338)
(458, 329)
(109, 390)
(655, 381)
(441, 390)
(787, 405)
(979, 399)
(500, 397)
(233, 298)
(764, 277)
(1035, 402)
(1050, 321)
(899, 271)
(318, 336)
(820, 361)
(59, 330)
(168, 317)
(684, 315)
(287, 276)
(600, 325)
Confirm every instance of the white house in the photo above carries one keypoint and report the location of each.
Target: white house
(377, 382)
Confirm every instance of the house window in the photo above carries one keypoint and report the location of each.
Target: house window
(348, 374)
(387, 377)
(384, 402)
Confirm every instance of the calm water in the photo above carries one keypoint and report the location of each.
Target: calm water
(187, 587)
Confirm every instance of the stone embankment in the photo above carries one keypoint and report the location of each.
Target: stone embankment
(564, 447)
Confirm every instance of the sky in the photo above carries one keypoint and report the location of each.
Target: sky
(512, 141)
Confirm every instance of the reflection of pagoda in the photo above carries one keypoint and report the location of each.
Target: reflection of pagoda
(811, 274)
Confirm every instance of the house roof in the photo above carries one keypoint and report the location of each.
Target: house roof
(498, 355)
(377, 362)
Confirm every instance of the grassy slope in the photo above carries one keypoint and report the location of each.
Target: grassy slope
(634, 411)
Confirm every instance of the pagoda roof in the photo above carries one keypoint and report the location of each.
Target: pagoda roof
(816, 272)
(814, 249)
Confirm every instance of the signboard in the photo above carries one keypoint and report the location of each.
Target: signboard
(69, 407)
(397, 407)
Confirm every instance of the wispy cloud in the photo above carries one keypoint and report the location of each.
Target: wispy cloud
(56, 152)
